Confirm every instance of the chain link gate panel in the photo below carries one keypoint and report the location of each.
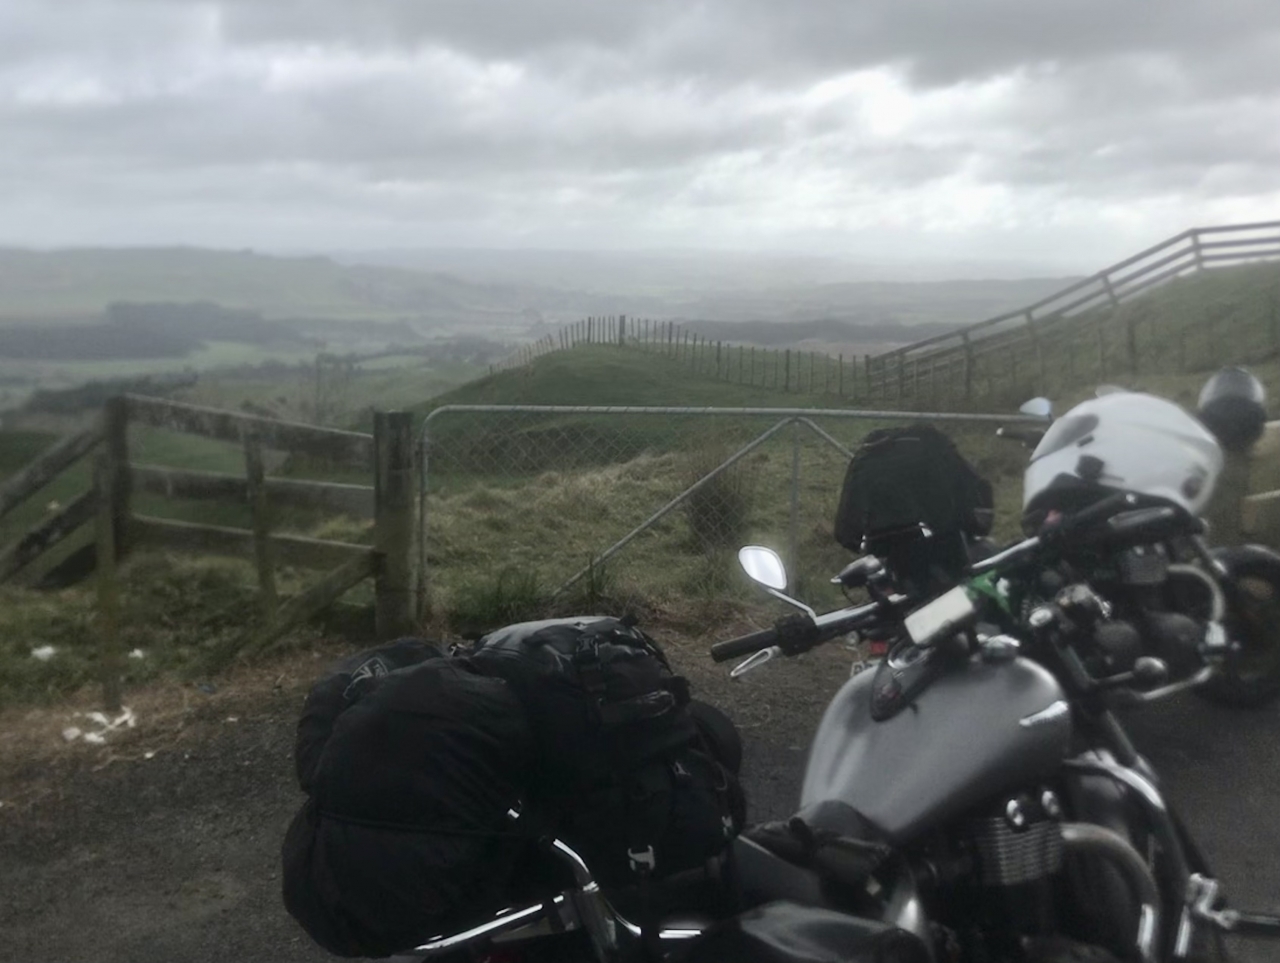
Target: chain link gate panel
(583, 503)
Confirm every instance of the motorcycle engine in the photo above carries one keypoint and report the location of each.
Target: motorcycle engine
(1022, 843)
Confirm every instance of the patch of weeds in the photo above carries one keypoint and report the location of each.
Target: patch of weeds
(719, 511)
(514, 595)
(597, 587)
(171, 611)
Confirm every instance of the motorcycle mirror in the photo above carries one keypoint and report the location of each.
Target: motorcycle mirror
(1039, 407)
(764, 566)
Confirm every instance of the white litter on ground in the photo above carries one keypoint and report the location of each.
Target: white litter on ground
(137, 654)
(44, 653)
(98, 726)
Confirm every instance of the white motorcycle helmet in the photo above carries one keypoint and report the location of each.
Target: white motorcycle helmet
(1121, 441)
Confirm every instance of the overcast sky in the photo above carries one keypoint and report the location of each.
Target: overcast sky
(1069, 132)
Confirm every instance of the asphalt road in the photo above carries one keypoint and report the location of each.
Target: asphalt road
(174, 856)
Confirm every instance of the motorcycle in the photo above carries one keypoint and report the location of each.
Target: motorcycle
(1175, 589)
(977, 789)
(974, 799)
(1178, 587)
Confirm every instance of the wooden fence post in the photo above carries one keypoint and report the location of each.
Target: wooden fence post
(262, 553)
(109, 653)
(115, 433)
(622, 329)
(393, 522)
(1196, 251)
(786, 385)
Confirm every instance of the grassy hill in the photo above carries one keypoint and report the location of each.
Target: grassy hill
(606, 375)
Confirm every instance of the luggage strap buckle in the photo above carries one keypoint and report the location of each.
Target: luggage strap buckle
(642, 861)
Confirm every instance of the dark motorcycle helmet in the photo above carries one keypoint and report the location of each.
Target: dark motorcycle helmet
(1232, 406)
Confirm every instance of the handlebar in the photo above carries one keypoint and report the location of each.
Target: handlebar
(800, 633)
(744, 645)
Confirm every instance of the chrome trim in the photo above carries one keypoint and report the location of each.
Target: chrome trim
(790, 601)
(1134, 780)
(1215, 589)
(581, 874)
(1096, 839)
(754, 661)
(996, 560)
(1160, 821)
(680, 933)
(1050, 713)
(1152, 695)
(506, 919)
(906, 911)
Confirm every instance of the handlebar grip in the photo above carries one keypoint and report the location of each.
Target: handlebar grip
(744, 645)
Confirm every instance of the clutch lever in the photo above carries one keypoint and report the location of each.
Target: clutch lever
(755, 661)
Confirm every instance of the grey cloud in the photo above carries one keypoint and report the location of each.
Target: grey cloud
(941, 41)
(572, 116)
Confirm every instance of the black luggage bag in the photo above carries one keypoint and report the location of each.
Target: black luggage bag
(912, 499)
(411, 762)
(624, 774)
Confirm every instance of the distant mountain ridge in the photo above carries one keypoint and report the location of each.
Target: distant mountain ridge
(78, 284)
(38, 287)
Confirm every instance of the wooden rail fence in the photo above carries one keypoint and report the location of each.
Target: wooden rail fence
(1037, 329)
(1022, 346)
(388, 454)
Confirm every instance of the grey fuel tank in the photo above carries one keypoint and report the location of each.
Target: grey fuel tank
(978, 730)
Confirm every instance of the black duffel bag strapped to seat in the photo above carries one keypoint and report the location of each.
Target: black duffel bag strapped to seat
(623, 775)
(910, 498)
(901, 478)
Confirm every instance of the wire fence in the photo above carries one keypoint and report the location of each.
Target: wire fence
(1095, 329)
(528, 506)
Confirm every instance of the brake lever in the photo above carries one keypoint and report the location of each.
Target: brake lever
(754, 661)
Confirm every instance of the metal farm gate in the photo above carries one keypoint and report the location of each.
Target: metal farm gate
(643, 499)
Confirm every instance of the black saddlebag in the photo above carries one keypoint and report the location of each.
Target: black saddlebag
(910, 498)
(624, 773)
(902, 478)
(785, 932)
(410, 773)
